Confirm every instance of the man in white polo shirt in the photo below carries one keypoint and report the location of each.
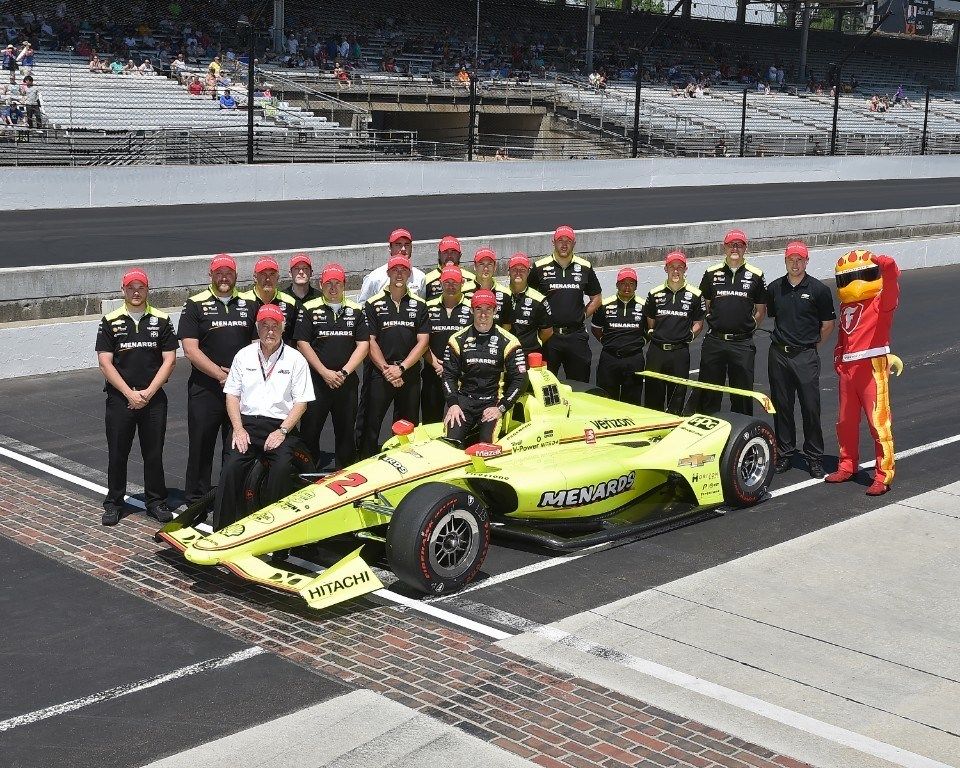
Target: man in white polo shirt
(267, 391)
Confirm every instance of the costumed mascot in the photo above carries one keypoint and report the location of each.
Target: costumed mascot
(869, 291)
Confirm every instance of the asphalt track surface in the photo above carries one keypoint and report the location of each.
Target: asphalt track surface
(129, 639)
(33, 238)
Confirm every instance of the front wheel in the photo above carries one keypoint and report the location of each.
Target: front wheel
(748, 461)
(438, 538)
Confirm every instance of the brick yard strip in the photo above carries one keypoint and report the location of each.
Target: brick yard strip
(547, 716)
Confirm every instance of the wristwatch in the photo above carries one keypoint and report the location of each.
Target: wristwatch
(283, 431)
(402, 369)
(344, 372)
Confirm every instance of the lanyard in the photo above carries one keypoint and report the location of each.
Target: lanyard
(268, 373)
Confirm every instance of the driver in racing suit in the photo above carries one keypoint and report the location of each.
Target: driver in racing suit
(484, 372)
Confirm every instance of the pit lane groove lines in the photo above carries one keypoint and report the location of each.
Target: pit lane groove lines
(561, 559)
(126, 690)
(412, 604)
(734, 698)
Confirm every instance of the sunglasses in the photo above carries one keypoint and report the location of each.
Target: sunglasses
(868, 274)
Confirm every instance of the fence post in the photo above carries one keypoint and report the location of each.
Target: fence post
(926, 115)
(836, 112)
(743, 124)
(473, 115)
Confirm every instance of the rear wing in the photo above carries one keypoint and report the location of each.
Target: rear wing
(761, 398)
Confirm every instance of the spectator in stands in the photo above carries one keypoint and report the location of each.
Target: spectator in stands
(95, 64)
(178, 66)
(227, 101)
(116, 67)
(146, 68)
(720, 150)
(874, 103)
(210, 83)
(463, 79)
(130, 68)
(25, 59)
(10, 114)
(9, 63)
(900, 98)
(342, 76)
(817, 148)
(196, 87)
(31, 101)
(215, 66)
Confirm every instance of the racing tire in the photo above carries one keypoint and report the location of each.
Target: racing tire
(748, 461)
(438, 538)
(253, 483)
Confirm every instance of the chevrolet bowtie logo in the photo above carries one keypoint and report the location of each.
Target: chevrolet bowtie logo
(696, 460)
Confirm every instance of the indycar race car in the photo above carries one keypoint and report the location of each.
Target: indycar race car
(569, 469)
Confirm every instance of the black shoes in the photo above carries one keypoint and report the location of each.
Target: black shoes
(161, 513)
(816, 469)
(110, 517)
(783, 464)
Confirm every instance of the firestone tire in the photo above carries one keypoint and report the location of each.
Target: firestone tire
(748, 461)
(253, 491)
(438, 538)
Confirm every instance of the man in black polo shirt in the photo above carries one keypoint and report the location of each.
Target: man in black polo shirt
(266, 275)
(621, 329)
(332, 335)
(137, 350)
(532, 321)
(448, 252)
(674, 313)
(735, 294)
(215, 324)
(448, 313)
(565, 278)
(399, 335)
(803, 313)
(485, 264)
(300, 288)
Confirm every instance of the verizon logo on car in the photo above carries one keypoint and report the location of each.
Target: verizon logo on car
(577, 497)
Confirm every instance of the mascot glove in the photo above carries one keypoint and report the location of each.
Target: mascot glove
(883, 261)
(896, 364)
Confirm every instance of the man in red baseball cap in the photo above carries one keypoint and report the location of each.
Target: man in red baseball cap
(621, 330)
(485, 264)
(448, 313)
(300, 288)
(267, 392)
(532, 321)
(332, 335)
(137, 350)
(803, 315)
(448, 252)
(400, 243)
(266, 275)
(484, 372)
(399, 336)
(674, 313)
(215, 324)
(565, 279)
(735, 293)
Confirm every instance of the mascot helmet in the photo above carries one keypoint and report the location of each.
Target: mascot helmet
(858, 278)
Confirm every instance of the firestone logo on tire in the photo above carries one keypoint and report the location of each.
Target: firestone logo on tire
(577, 497)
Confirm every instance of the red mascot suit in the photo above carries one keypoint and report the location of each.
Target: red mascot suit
(869, 291)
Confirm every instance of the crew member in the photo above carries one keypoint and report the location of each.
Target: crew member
(448, 252)
(565, 278)
(485, 264)
(332, 335)
(532, 321)
(735, 293)
(137, 350)
(266, 275)
(674, 313)
(448, 313)
(802, 309)
(267, 392)
(484, 372)
(399, 336)
(401, 244)
(300, 288)
(622, 332)
(215, 324)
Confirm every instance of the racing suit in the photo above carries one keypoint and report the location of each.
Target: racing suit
(481, 369)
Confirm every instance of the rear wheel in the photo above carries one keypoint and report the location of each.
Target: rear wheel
(438, 538)
(747, 464)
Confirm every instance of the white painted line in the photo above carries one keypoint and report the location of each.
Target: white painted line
(126, 690)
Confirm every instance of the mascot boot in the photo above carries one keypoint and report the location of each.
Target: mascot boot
(869, 291)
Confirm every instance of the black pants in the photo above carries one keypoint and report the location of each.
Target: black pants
(661, 395)
(617, 376)
(431, 395)
(406, 405)
(571, 351)
(472, 413)
(150, 424)
(236, 465)
(33, 114)
(722, 361)
(206, 416)
(362, 404)
(794, 377)
(341, 404)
